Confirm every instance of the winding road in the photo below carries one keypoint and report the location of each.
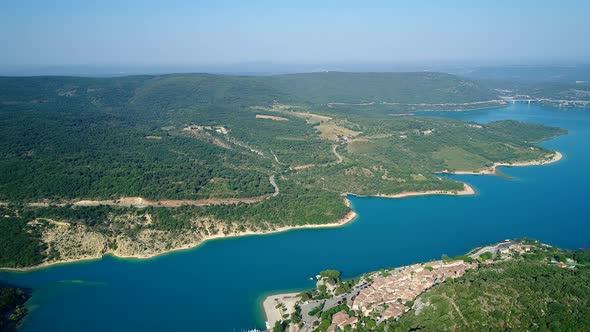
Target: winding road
(338, 161)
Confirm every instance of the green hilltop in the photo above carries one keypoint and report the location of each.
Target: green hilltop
(181, 158)
(402, 88)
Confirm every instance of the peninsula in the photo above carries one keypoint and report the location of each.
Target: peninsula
(143, 165)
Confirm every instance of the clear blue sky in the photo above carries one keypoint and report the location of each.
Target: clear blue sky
(173, 32)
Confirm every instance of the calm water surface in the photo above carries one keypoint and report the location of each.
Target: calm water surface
(218, 286)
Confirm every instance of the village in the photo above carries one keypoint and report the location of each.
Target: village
(386, 294)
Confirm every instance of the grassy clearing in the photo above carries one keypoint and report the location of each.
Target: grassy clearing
(457, 159)
(333, 132)
(312, 118)
(361, 146)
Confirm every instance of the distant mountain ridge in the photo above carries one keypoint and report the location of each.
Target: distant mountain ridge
(314, 88)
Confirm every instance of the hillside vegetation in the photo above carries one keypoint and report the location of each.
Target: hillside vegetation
(141, 165)
(401, 88)
(547, 289)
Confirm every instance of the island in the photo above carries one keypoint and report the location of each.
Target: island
(139, 166)
(512, 285)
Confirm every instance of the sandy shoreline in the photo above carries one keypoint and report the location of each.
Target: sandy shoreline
(557, 156)
(467, 190)
(348, 217)
(271, 313)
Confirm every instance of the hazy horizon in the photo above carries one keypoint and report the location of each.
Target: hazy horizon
(228, 33)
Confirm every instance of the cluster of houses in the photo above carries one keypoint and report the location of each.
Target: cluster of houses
(417, 132)
(196, 128)
(511, 247)
(388, 295)
(506, 249)
(422, 132)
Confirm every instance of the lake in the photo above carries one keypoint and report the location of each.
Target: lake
(219, 285)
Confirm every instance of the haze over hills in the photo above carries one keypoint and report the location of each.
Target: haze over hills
(566, 73)
(530, 71)
(402, 88)
(324, 87)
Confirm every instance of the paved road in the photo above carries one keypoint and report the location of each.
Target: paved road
(329, 303)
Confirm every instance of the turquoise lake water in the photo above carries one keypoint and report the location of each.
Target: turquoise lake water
(219, 286)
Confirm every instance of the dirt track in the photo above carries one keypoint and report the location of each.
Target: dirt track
(141, 202)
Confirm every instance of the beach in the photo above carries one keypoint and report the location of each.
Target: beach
(273, 314)
(467, 190)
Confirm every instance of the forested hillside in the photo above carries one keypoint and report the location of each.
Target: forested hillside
(144, 164)
(400, 88)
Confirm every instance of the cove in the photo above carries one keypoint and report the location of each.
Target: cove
(219, 285)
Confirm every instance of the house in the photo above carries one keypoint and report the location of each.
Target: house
(222, 130)
(350, 321)
(339, 317)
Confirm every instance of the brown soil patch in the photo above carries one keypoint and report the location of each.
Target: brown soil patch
(270, 117)
(367, 172)
(311, 118)
(303, 166)
(359, 171)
